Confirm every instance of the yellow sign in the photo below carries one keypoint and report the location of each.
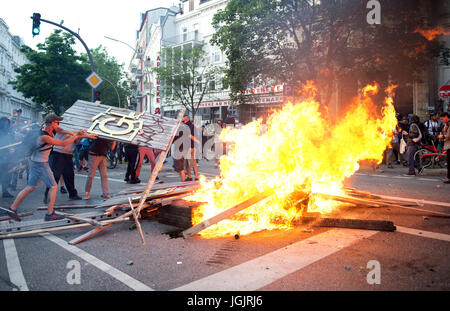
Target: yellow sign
(94, 80)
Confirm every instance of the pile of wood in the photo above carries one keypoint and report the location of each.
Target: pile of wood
(104, 214)
(165, 203)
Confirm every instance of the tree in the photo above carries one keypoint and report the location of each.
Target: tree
(186, 76)
(291, 41)
(55, 76)
(114, 88)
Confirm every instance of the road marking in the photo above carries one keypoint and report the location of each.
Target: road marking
(259, 272)
(115, 273)
(425, 234)
(13, 264)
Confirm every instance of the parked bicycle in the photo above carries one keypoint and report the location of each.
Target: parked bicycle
(111, 158)
(429, 155)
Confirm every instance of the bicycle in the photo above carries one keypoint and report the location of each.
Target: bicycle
(111, 158)
(430, 155)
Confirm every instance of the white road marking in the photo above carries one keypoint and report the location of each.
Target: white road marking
(13, 264)
(425, 234)
(115, 273)
(261, 271)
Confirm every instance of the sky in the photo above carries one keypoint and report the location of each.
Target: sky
(94, 19)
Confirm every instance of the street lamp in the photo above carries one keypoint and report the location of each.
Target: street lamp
(118, 96)
(134, 50)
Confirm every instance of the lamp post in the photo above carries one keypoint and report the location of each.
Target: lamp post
(115, 89)
(134, 50)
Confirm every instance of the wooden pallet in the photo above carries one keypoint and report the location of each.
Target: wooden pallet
(177, 213)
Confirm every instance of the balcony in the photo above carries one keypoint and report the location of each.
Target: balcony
(188, 37)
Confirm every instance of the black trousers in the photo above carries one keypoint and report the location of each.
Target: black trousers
(132, 154)
(62, 164)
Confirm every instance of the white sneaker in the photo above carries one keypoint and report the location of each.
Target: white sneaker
(86, 196)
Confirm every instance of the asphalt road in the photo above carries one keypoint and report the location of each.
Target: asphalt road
(414, 257)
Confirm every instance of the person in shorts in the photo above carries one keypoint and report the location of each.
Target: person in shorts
(40, 169)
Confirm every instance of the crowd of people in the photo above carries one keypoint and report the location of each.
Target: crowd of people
(59, 152)
(411, 134)
(51, 160)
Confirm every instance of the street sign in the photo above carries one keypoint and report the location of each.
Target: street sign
(444, 91)
(94, 80)
(288, 90)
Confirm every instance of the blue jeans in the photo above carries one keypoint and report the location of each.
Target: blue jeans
(412, 164)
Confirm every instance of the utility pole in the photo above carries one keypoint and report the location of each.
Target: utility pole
(36, 21)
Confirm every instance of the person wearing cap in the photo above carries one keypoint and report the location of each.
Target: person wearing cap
(40, 169)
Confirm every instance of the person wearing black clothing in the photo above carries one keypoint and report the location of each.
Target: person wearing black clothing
(132, 154)
(97, 159)
(190, 157)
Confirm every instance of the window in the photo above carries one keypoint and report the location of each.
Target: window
(184, 34)
(191, 5)
(212, 85)
(198, 87)
(196, 32)
(216, 55)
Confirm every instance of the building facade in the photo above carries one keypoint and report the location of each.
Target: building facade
(190, 24)
(10, 58)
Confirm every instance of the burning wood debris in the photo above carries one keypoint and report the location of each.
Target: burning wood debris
(286, 172)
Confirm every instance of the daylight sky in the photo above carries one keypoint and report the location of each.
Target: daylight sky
(94, 19)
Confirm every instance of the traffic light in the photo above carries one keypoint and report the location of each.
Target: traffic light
(97, 96)
(36, 23)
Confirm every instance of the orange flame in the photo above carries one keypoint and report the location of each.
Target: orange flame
(430, 34)
(298, 150)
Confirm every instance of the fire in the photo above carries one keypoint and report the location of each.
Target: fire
(298, 153)
(430, 34)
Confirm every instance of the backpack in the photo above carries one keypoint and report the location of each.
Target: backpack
(29, 143)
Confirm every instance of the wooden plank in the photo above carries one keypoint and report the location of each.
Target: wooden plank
(53, 229)
(227, 213)
(136, 220)
(367, 224)
(88, 234)
(20, 215)
(80, 218)
(41, 224)
(141, 188)
(158, 166)
(44, 208)
(380, 203)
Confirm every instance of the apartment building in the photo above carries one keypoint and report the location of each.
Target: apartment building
(10, 58)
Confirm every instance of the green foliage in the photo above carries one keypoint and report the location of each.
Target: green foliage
(114, 88)
(55, 76)
(291, 41)
(186, 76)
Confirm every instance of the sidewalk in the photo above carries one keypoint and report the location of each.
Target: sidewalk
(399, 169)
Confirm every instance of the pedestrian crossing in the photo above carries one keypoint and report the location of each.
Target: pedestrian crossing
(251, 275)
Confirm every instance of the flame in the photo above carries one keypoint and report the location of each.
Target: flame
(298, 153)
(430, 34)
